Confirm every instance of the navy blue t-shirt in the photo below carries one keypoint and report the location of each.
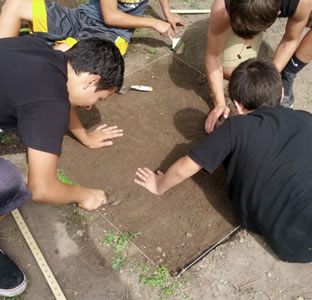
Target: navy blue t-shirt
(267, 156)
(287, 7)
(33, 89)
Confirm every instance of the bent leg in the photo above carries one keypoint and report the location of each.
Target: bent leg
(304, 51)
(13, 190)
(12, 14)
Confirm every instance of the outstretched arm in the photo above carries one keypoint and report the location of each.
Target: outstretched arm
(173, 19)
(159, 183)
(294, 28)
(45, 187)
(219, 24)
(116, 18)
(100, 137)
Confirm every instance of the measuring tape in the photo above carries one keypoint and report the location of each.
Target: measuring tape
(55, 288)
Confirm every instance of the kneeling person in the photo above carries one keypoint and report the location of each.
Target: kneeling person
(40, 89)
(266, 151)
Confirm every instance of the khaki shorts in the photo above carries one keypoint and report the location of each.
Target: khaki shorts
(236, 50)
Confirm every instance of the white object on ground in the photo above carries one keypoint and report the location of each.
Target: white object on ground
(190, 11)
(175, 42)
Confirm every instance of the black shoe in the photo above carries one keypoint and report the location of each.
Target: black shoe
(12, 278)
(288, 79)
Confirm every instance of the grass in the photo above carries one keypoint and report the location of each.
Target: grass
(63, 178)
(77, 218)
(4, 138)
(119, 244)
(152, 51)
(160, 278)
(78, 2)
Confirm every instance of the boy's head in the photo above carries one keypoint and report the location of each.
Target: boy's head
(96, 71)
(256, 83)
(250, 17)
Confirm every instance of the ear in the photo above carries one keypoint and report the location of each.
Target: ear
(240, 108)
(92, 80)
(279, 12)
(282, 95)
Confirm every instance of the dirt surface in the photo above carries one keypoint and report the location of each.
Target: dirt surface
(159, 127)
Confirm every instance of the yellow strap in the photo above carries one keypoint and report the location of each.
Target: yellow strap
(122, 45)
(40, 22)
(69, 41)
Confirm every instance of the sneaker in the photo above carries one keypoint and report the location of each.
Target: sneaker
(12, 278)
(288, 80)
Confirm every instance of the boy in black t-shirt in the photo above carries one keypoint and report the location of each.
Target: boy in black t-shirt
(40, 88)
(266, 151)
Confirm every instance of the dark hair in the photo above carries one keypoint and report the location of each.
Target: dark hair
(256, 83)
(250, 17)
(100, 57)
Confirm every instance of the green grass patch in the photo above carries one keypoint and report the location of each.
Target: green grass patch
(160, 278)
(4, 138)
(152, 51)
(60, 175)
(119, 243)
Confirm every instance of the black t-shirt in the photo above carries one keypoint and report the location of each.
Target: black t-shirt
(287, 7)
(33, 89)
(268, 160)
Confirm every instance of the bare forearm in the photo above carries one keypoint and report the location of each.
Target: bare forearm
(165, 7)
(182, 169)
(284, 52)
(76, 127)
(56, 192)
(215, 80)
(123, 20)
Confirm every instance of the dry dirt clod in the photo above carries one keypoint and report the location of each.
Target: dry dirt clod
(159, 249)
(188, 235)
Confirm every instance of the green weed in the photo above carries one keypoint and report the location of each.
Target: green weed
(77, 218)
(63, 178)
(160, 278)
(119, 244)
(152, 51)
(82, 2)
(4, 138)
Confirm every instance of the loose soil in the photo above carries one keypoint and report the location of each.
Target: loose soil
(159, 127)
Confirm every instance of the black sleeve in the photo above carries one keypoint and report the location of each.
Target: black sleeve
(214, 149)
(42, 125)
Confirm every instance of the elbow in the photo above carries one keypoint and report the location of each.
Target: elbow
(39, 192)
(109, 19)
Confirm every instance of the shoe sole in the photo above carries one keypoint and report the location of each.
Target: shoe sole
(16, 291)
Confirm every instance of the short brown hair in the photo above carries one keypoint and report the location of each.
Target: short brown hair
(250, 17)
(256, 83)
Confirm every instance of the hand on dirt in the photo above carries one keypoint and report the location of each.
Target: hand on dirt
(93, 199)
(214, 115)
(102, 136)
(164, 28)
(174, 20)
(149, 180)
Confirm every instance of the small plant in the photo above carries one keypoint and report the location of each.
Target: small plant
(160, 278)
(82, 2)
(117, 262)
(77, 218)
(63, 178)
(4, 138)
(152, 51)
(119, 244)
